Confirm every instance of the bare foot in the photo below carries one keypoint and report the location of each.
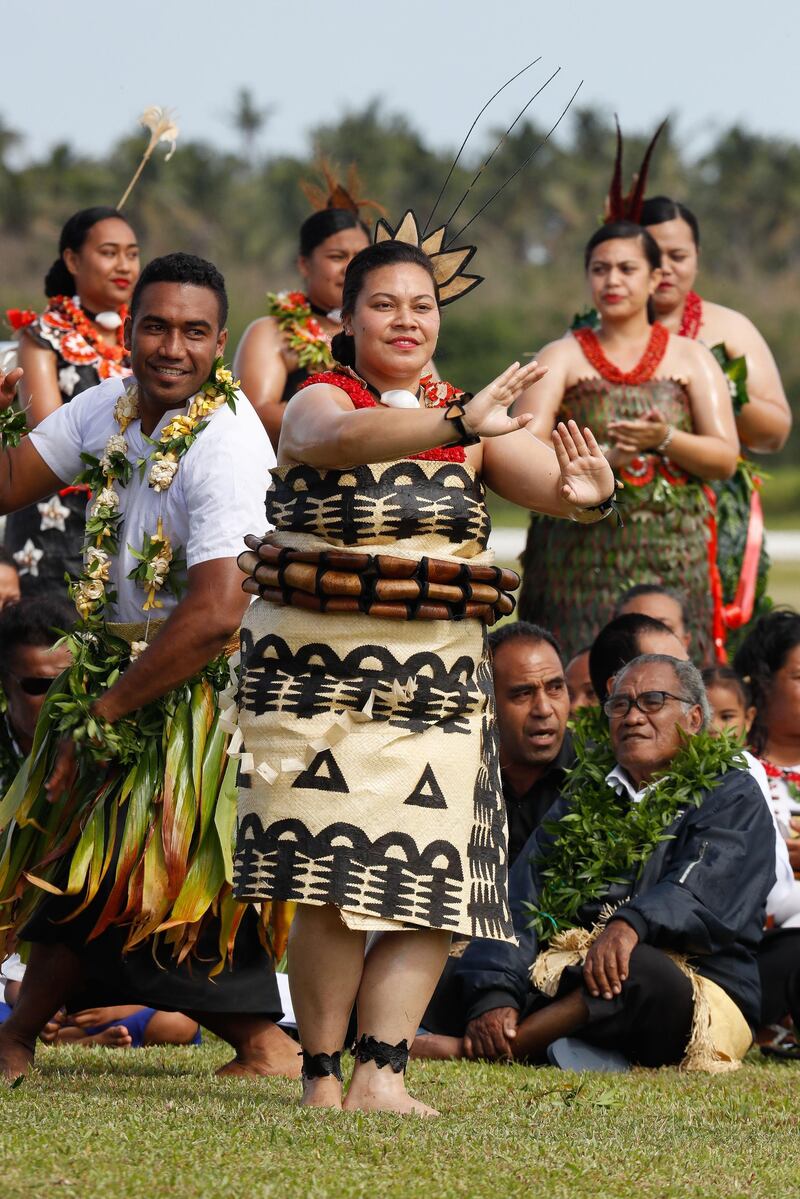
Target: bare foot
(381, 1091)
(322, 1092)
(116, 1037)
(272, 1055)
(437, 1048)
(16, 1056)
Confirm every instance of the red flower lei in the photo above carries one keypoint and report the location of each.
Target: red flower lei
(780, 772)
(64, 314)
(645, 368)
(436, 394)
(692, 317)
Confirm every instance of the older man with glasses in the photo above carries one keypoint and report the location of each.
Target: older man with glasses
(639, 904)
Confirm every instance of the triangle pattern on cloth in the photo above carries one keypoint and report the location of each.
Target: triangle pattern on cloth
(322, 774)
(427, 793)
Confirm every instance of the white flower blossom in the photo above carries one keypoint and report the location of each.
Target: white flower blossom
(28, 559)
(107, 498)
(126, 408)
(91, 589)
(116, 444)
(162, 472)
(137, 649)
(53, 513)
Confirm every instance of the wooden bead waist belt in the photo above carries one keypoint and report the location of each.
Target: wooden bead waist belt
(377, 584)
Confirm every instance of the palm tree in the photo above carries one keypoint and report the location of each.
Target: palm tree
(249, 120)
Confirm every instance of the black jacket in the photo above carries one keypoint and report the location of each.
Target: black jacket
(703, 894)
(526, 812)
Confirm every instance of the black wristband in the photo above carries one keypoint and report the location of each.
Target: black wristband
(606, 506)
(454, 412)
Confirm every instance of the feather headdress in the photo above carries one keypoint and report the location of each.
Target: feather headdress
(332, 193)
(629, 207)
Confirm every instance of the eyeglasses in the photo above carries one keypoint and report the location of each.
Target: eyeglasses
(647, 702)
(34, 684)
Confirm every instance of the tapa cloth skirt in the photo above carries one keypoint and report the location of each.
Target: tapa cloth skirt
(373, 778)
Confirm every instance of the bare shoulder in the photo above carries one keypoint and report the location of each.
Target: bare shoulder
(263, 331)
(316, 395)
(721, 324)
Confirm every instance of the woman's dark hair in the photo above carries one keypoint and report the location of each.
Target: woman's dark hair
(58, 281)
(726, 676)
(372, 258)
(323, 224)
(661, 209)
(616, 231)
(760, 656)
(183, 268)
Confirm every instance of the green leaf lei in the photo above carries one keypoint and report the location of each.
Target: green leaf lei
(13, 427)
(602, 838)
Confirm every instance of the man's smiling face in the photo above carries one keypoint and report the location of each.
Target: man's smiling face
(174, 338)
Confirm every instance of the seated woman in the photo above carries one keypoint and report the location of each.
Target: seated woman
(374, 797)
(279, 351)
(769, 661)
(661, 408)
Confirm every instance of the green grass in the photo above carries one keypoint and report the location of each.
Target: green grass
(105, 1124)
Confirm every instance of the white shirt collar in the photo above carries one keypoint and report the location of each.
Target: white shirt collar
(621, 782)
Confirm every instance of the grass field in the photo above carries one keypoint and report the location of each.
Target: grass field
(106, 1124)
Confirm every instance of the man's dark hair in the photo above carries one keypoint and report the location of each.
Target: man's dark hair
(653, 589)
(523, 630)
(616, 645)
(7, 559)
(183, 268)
(39, 621)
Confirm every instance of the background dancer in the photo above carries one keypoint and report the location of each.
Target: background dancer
(763, 416)
(73, 345)
(375, 799)
(153, 786)
(278, 352)
(660, 405)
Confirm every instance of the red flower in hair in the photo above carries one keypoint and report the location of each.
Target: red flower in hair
(18, 318)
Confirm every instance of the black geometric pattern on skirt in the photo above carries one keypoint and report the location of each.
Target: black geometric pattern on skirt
(389, 878)
(355, 506)
(488, 847)
(316, 680)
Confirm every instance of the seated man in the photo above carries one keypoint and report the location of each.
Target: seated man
(660, 603)
(579, 682)
(532, 712)
(29, 661)
(671, 974)
(535, 754)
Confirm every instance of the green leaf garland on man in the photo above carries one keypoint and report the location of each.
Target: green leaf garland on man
(116, 854)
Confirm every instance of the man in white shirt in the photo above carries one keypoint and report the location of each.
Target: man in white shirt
(177, 332)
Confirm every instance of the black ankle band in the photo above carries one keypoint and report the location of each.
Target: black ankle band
(322, 1065)
(367, 1049)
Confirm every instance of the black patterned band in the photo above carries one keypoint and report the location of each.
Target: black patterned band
(322, 1065)
(454, 412)
(368, 1049)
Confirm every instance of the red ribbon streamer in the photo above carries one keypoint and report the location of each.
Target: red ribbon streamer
(740, 610)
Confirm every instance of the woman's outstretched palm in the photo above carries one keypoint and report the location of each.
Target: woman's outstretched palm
(586, 477)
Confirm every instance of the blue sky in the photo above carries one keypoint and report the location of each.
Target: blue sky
(83, 73)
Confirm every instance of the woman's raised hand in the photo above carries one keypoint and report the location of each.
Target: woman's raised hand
(486, 414)
(586, 477)
(8, 386)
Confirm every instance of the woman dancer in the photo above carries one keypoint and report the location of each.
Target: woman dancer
(73, 345)
(374, 797)
(660, 405)
(278, 352)
(763, 416)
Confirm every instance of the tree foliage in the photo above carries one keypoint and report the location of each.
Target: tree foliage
(243, 210)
